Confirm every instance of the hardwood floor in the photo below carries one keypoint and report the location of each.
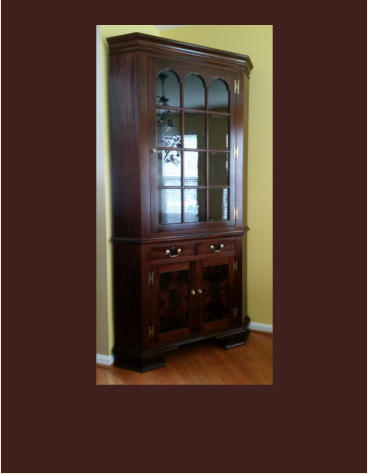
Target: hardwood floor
(204, 363)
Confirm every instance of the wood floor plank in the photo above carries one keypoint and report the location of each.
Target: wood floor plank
(204, 363)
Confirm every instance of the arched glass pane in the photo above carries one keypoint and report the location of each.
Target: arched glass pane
(194, 92)
(218, 96)
(167, 89)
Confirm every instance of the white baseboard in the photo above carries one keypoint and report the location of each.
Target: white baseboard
(103, 359)
(261, 327)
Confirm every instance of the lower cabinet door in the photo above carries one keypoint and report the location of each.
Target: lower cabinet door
(171, 302)
(218, 291)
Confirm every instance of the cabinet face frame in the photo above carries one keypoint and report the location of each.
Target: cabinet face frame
(183, 69)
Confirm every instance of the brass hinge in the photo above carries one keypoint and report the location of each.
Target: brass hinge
(151, 278)
(151, 332)
(236, 151)
(235, 313)
(236, 86)
(235, 265)
(235, 212)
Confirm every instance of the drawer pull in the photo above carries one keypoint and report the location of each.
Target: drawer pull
(193, 292)
(217, 248)
(172, 252)
(199, 292)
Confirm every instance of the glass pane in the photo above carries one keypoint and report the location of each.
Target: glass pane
(169, 206)
(173, 306)
(168, 128)
(167, 89)
(218, 169)
(194, 92)
(216, 293)
(194, 205)
(219, 132)
(218, 96)
(194, 130)
(219, 204)
(194, 168)
(169, 168)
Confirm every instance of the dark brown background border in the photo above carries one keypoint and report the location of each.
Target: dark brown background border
(54, 418)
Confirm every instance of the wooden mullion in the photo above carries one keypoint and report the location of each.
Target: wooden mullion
(182, 152)
(214, 150)
(207, 157)
(186, 109)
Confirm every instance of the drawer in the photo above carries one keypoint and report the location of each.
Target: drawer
(172, 251)
(216, 246)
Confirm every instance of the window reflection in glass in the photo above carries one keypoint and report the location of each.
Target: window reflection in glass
(194, 92)
(169, 206)
(168, 128)
(169, 168)
(194, 205)
(194, 168)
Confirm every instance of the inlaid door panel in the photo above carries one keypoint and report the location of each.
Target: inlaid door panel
(171, 303)
(218, 291)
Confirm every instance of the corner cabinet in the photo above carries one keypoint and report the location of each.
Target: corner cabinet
(178, 113)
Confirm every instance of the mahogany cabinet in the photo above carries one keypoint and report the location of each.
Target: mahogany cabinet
(178, 113)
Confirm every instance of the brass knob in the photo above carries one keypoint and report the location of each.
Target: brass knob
(218, 249)
(199, 292)
(153, 150)
(173, 252)
(193, 292)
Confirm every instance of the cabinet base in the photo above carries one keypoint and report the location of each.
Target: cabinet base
(144, 360)
(139, 363)
(238, 339)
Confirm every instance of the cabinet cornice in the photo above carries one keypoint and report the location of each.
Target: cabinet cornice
(155, 44)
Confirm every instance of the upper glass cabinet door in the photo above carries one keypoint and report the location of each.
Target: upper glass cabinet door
(193, 149)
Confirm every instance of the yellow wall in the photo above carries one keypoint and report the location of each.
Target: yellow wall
(255, 41)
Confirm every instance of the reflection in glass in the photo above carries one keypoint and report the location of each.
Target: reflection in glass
(167, 89)
(218, 169)
(169, 168)
(169, 206)
(218, 132)
(194, 205)
(194, 92)
(168, 128)
(194, 168)
(219, 204)
(194, 130)
(218, 96)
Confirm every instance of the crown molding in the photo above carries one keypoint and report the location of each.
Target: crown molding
(150, 43)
